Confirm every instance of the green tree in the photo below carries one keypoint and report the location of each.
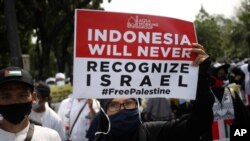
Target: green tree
(241, 31)
(223, 38)
(52, 23)
(208, 33)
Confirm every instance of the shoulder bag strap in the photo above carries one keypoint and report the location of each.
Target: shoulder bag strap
(71, 129)
(30, 132)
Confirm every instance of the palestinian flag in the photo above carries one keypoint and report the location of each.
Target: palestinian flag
(221, 129)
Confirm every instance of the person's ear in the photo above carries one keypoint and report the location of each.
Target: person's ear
(34, 97)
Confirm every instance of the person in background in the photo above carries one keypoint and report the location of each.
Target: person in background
(16, 99)
(184, 107)
(246, 69)
(42, 114)
(219, 74)
(228, 105)
(237, 77)
(157, 109)
(77, 115)
(60, 79)
(51, 81)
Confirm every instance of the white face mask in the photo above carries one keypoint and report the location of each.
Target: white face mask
(60, 83)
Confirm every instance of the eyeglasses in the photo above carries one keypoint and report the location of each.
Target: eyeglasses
(116, 106)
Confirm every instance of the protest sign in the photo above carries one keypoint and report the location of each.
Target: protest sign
(59, 93)
(133, 55)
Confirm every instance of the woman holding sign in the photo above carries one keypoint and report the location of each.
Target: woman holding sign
(122, 121)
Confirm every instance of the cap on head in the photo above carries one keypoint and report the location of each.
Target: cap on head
(15, 74)
(42, 89)
(217, 66)
(50, 80)
(60, 76)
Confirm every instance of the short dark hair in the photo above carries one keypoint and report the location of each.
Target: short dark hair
(43, 89)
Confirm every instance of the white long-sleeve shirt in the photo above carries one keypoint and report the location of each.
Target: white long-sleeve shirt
(82, 124)
(50, 119)
(40, 134)
(244, 68)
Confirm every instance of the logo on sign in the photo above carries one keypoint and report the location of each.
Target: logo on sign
(140, 23)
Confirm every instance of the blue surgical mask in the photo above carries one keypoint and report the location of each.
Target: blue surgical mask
(35, 105)
(125, 122)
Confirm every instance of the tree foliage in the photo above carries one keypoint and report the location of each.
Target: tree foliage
(208, 33)
(52, 23)
(241, 31)
(223, 38)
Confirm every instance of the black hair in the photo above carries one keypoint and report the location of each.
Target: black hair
(43, 89)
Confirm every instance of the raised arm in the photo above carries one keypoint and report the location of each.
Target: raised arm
(198, 123)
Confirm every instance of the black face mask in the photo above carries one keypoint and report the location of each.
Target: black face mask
(124, 123)
(15, 113)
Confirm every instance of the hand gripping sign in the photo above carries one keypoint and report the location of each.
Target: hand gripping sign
(133, 55)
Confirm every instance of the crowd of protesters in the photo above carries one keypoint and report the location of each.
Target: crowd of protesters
(223, 97)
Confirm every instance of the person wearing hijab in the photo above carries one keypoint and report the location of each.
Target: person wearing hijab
(121, 120)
